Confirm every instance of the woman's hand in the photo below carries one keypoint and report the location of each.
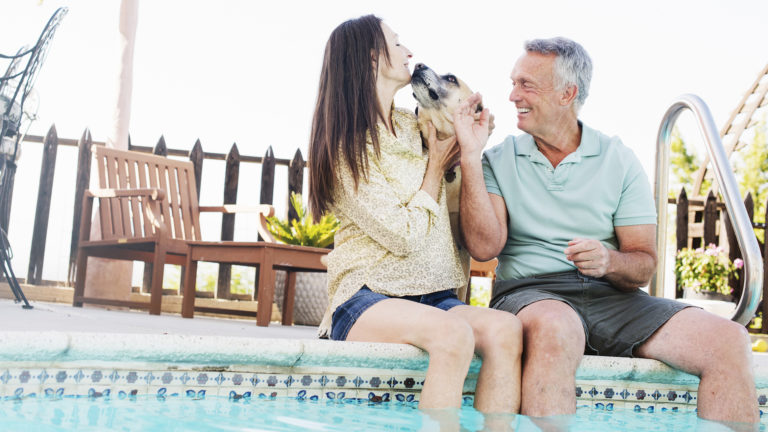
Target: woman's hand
(472, 130)
(443, 154)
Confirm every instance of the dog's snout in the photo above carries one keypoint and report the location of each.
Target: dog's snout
(419, 66)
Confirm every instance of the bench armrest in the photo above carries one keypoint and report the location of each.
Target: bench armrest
(153, 193)
(151, 208)
(264, 211)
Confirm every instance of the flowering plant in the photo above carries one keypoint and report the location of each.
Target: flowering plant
(705, 269)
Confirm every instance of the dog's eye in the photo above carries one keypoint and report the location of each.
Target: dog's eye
(451, 78)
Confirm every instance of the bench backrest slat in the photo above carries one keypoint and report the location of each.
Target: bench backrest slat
(127, 217)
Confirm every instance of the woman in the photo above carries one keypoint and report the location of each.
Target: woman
(395, 264)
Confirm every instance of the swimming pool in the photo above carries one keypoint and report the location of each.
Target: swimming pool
(195, 413)
(93, 374)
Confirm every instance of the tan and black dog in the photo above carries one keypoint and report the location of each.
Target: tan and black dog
(438, 96)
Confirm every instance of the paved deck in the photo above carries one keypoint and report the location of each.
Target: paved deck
(65, 318)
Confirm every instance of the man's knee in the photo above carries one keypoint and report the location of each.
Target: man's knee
(552, 325)
(732, 341)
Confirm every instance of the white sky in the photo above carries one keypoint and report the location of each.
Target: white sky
(247, 72)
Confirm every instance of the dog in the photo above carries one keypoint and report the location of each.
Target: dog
(437, 97)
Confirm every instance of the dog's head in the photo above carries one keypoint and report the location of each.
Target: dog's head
(437, 96)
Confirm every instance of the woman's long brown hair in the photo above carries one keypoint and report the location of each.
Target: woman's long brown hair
(347, 107)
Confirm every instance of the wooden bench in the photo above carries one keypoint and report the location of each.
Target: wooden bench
(148, 211)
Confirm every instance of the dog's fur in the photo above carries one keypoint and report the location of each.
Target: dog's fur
(438, 96)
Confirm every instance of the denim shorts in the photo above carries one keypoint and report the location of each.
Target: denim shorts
(347, 314)
(615, 322)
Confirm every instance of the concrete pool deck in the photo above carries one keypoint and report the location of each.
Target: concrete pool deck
(57, 340)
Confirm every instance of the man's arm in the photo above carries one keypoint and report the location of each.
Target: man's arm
(628, 268)
(482, 216)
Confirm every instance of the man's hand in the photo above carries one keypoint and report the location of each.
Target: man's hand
(589, 256)
(471, 130)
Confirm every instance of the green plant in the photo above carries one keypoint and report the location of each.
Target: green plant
(303, 231)
(705, 269)
(481, 292)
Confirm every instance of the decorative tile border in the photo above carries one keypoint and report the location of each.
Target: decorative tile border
(374, 385)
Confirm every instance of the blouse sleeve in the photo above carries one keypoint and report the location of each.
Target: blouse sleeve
(400, 227)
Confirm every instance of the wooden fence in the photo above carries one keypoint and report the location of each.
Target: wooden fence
(51, 142)
(701, 221)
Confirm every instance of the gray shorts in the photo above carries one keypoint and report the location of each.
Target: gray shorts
(615, 322)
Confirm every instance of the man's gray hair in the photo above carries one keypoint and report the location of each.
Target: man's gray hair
(572, 64)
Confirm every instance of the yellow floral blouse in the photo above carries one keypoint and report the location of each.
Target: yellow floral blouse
(394, 238)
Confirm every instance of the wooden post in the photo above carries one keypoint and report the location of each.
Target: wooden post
(710, 220)
(734, 251)
(267, 177)
(162, 150)
(681, 231)
(295, 181)
(196, 155)
(267, 180)
(231, 177)
(45, 188)
(82, 181)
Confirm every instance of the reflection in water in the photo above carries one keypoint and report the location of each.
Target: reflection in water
(176, 411)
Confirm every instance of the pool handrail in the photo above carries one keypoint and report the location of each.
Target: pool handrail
(726, 180)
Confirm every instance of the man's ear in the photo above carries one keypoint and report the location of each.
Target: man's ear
(569, 94)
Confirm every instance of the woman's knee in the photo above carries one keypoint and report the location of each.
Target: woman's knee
(500, 331)
(452, 338)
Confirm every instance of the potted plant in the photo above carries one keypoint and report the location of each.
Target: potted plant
(311, 288)
(703, 272)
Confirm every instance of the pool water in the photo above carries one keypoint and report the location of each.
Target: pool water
(192, 413)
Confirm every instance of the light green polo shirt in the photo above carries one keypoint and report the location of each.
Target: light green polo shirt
(597, 187)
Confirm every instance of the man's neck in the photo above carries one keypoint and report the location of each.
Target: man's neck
(562, 142)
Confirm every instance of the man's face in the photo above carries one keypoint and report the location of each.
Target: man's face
(535, 94)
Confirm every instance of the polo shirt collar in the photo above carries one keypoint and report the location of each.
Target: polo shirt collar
(589, 145)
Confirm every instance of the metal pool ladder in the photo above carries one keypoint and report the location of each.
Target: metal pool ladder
(726, 181)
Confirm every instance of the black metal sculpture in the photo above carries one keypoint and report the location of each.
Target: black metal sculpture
(15, 86)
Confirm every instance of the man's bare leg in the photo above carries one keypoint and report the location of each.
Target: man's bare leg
(718, 351)
(553, 345)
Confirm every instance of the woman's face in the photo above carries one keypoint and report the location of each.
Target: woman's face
(397, 68)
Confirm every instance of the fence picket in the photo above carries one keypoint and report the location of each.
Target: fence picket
(83, 178)
(45, 189)
(231, 178)
(295, 181)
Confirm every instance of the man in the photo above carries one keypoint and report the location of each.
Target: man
(569, 213)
